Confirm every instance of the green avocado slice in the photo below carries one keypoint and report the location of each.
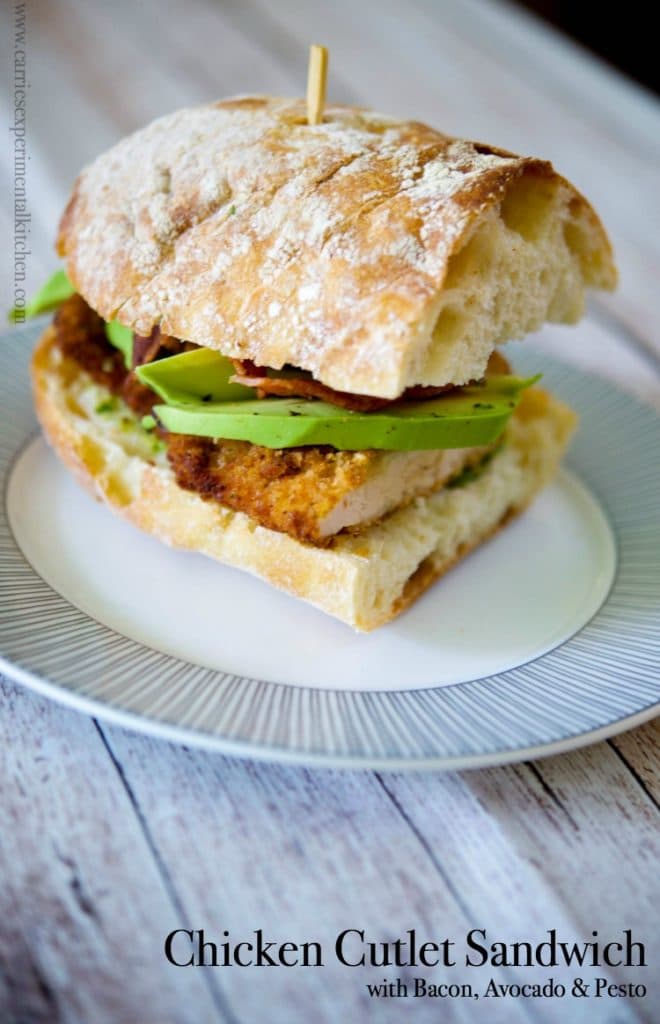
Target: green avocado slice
(122, 338)
(200, 400)
(52, 294)
(200, 375)
(476, 416)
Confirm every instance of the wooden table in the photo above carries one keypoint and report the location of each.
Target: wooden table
(109, 840)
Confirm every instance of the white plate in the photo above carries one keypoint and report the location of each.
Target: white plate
(528, 647)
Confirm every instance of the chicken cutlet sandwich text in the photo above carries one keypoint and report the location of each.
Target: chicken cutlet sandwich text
(275, 342)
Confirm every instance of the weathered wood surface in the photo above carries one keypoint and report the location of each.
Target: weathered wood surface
(80, 891)
(109, 840)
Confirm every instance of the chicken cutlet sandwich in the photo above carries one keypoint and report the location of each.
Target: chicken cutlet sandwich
(276, 342)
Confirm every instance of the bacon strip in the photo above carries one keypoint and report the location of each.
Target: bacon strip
(252, 376)
(147, 348)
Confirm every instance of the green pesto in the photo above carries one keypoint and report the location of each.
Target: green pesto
(470, 473)
(106, 405)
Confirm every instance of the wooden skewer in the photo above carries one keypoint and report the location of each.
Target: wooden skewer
(317, 74)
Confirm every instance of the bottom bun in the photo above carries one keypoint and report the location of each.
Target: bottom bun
(363, 579)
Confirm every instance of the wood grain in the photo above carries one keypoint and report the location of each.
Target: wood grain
(82, 903)
(639, 749)
(521, 839)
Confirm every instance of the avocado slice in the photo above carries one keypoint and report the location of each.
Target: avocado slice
(52, 294)
(200, 400)
(475, 416)
(122, 338)
(201, 375)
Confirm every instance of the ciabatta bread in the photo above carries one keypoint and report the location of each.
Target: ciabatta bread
(376, 254)
(364, 579)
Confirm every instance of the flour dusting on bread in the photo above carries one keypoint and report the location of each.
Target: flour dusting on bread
(346, 248)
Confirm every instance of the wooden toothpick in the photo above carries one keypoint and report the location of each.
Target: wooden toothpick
(317, 74)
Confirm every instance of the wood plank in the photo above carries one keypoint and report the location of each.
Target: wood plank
(301, 854)
(556, 63)
(82, 906)
(159, 71)
(598, 347)
(640, 748)
(611, 876)
(570, 842)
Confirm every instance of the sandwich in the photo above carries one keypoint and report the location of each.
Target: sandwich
(277, 343)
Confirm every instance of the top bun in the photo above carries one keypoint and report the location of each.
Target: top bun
(377, 254)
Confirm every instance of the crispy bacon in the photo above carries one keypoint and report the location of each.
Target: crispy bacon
(305, 387)
(81, 336)
(147, 348)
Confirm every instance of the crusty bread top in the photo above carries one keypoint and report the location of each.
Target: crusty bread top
(375, 253)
